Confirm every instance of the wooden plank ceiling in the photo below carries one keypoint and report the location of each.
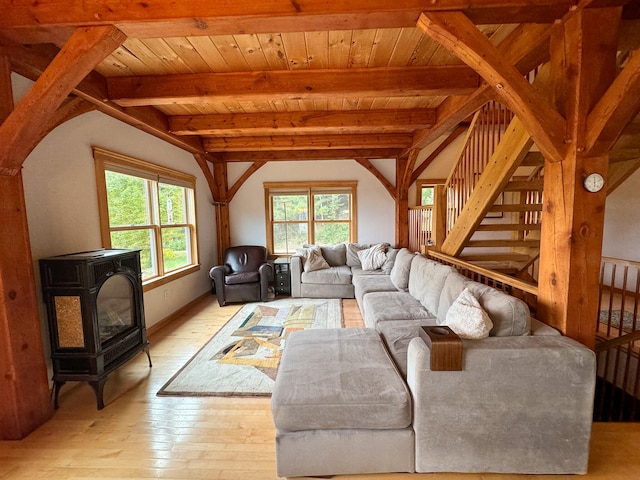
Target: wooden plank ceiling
(287, 80)
(292, 92)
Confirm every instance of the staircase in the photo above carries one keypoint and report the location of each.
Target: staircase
(493, 210)
(494, 196)
(508, 238)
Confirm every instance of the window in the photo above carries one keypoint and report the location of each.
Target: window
(321, 213)
(426, 191)
(426, 195)
(150, 208)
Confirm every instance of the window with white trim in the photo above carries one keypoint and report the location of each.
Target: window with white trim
(150, 208)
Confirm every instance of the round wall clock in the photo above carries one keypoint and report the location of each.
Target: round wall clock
(594, 182)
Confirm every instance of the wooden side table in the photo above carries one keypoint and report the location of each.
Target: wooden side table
(282, 271)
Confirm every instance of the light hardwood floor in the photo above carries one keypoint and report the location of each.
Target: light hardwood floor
(141, 436)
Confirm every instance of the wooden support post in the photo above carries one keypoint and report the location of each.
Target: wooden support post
(25, 402)
(582, 67)
(439, 216)
(402, 205)
(223, 229)
(570, 247)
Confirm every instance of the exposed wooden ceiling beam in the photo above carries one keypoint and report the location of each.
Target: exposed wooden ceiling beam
(23, 128)
(617, 107)
(526, 47)
(307, 142)
(313, 155)
(31, 62)
(351, 121)
(46, 20)
(456, 33)
(292, 84)
(389, 187)
(619, 172)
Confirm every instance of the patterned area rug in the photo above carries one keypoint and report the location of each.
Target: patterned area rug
(243, 357)
(627, 322)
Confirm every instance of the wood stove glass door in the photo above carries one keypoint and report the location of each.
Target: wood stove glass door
(115, 307)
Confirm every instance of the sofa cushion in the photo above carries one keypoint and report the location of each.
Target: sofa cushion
(312, 258)
(467, 318)
(392, 253)
(365, 284)
(335, 255)
(391, 306)
(376, 282)
(359, 272)
(244, 277)
(332, 275)
(397, 336)
(352, 253)
(510, 315)
(372, 258)
(338, 379)
(454, 284)
(402, 266)
(426, 281)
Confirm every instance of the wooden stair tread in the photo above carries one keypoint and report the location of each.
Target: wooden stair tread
(505, 227)
(503, 243)
(529, 207)
(495, 257)
(533, 159)
(524, 186)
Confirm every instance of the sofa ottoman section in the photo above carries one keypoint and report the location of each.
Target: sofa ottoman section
(340, 406)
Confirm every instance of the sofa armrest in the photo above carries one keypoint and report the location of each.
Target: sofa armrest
(520, 404)
(266, 278)
(296, 276)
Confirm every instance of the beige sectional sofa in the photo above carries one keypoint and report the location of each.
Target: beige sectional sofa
(336, 278)
(366, 400)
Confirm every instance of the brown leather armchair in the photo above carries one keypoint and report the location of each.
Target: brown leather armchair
(245, 275)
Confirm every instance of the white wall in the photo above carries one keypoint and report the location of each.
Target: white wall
(621, 238)
(62, 205)
(441, 166)
(376, 208)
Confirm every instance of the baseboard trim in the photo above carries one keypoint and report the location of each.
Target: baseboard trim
(168, 319)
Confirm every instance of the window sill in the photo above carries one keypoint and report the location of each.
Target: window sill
(169, 277)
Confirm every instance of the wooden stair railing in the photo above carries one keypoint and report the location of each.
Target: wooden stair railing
(522, 289)
(420, 227)
(618, 342)
(492, 153)
(484, 134)
(489, 186)
(617, 349)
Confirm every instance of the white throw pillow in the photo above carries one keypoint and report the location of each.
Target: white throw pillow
(313, 259)
(372, 258)
(467, 318)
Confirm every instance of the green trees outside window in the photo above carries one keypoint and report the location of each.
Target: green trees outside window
(426, 195)
(314, 214)
(148, 210)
